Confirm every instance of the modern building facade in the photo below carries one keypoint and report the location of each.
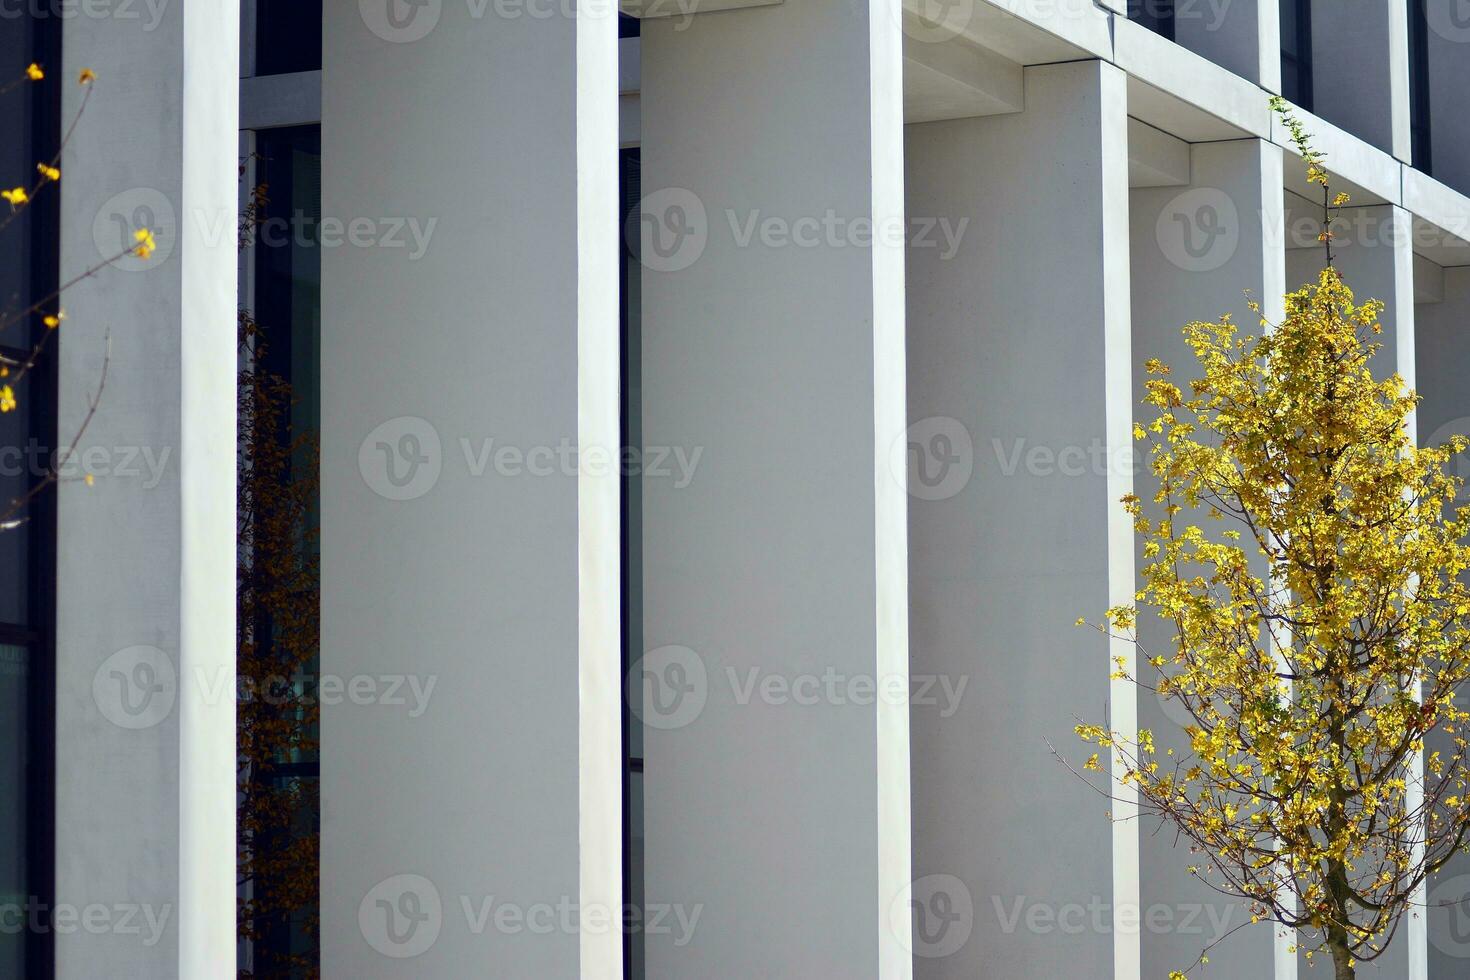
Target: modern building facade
(723, 409)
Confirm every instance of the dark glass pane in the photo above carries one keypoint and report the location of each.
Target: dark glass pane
(288, 264)
(15, 885)
(1296, 51)
(1422, 150)
(637, 969)
(1156, 15)
(288, 36)
(629, 26)
(27, 247)
(1290, 81)
(21, 465)
(630, 192)
(632, 439)
(15, 273)
(287, 306)
(15, 158)
(30, 118)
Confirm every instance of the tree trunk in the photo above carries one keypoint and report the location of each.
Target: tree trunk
(1342, 960)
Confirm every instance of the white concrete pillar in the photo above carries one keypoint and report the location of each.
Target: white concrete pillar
(145, 726)
(470, 521)
(1373, 250)
(1360, 69)
(1442, 345)
(1019, 396)
(776, 782)
(1196, 251)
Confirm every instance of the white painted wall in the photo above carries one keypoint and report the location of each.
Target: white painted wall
(783, 816)
(145, 621)
(494, 577)
(1020, 343)
(1195, 253)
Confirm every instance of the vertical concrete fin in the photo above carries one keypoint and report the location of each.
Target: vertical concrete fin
(600, 747)
(470, 429)
(1118, 435)
(208, 280)
(890, 499)
(773, 340)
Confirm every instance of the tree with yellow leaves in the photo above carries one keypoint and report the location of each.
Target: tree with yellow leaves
(1309, 560)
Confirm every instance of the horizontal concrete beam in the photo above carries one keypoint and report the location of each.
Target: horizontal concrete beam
(647, 9)
(1442, 207)
(1368, 174)
(1170, 88)
(1026, 31)
(1212, 103)
(954, 79)
(1156, 159)
(1439, 246)
(1190, 97)
(273, 101)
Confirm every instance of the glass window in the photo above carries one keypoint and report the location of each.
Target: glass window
(632, 570)
(282, 801)
(1156, 15)
(288, 36)
(20, 470)
(30, 114)
(1296, 51)
(288, 279)
(1419, 87)
(16, 271)
(15, 675)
